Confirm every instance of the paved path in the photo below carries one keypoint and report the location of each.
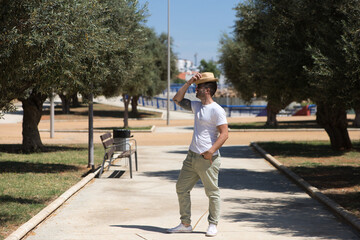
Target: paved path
(257, 203)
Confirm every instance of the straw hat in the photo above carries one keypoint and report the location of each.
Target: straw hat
(206, 77)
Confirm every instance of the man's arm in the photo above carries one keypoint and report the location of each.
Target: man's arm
(179, 96)
(223, 136)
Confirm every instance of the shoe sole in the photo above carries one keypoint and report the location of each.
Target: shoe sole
(210, 235)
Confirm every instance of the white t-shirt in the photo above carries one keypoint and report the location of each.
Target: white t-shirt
(207, 118)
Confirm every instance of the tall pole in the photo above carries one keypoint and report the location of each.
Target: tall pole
(168, 70)
(91, 134)
(52, 113)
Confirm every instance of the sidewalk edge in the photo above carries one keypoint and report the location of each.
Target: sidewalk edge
(44, 213)
(312, 191)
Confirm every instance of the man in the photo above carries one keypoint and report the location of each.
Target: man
(203, 158)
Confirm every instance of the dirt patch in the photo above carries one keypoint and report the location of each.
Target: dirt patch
(101, 111)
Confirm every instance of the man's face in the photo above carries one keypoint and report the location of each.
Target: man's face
(201, 91)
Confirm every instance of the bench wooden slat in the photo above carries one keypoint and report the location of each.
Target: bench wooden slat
(108, 142)
(105, 138)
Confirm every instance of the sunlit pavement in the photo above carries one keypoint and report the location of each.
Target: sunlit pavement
(257, 203)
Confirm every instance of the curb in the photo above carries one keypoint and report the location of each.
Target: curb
(312, 191)
(43, 214)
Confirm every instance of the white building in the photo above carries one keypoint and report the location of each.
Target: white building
(184, 65)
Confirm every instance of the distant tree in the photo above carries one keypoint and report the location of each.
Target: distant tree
(150, 76)
(236, 63)
(268, 50)
(162, 59)
(209, 66)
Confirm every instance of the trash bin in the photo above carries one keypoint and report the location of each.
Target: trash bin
(121, 137)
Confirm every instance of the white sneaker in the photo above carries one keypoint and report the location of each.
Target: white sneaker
(211, 231)
(180, 229)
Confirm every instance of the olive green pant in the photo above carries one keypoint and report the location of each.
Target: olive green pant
(195, 167)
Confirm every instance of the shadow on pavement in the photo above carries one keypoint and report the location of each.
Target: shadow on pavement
(282, 208)
(236, 178)
(239, 179)
(229, 152)
(143, 227)
(150, 228)
(296, 216)
(238, 152)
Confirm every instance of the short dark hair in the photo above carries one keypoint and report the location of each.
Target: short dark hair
(211, 85)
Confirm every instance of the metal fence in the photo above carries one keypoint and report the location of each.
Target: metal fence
(231, 110)
(159, 103)
(174, 88)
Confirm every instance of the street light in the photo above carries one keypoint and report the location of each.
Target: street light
(168, 70)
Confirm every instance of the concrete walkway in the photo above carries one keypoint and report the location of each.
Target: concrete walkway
(258, 202)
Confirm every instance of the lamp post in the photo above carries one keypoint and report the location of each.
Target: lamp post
(52, 115)
(91, 133)
(168, 70)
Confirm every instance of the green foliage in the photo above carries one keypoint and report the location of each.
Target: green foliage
(298, 50)
(266, 54)
(209, 66)
(275, 41)
(237, 68)
(67, 46)
(173, 69)
(149, 75)
(335, 47)
(126, 26)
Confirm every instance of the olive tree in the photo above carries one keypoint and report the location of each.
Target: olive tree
(53, 46)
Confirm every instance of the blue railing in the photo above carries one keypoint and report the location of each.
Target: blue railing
(260, 110)
(244, 109)
(250, 110)
(159, 103)
(174, 88)
(313, 109)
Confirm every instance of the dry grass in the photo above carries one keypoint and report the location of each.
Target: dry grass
(29, 182)
(335, 173)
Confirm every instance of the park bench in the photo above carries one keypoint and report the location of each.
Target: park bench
(115, 150)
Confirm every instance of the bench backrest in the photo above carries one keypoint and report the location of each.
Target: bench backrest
(108, 142)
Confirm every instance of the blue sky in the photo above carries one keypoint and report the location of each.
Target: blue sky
(195, 25)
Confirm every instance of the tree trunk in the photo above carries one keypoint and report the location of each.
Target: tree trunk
(126, 100)
(134, 104)
(75, 101)
(334, 121)
(32, 107)
(65, 100)
(357, 118)
(271, 112)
